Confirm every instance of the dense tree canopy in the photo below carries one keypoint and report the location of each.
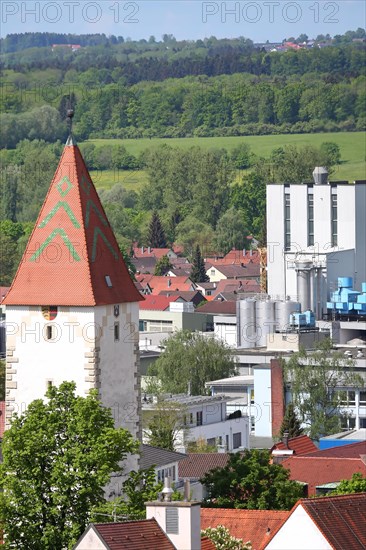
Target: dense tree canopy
(357, 484)
(57, 458)
(250, 481)
(189, 360)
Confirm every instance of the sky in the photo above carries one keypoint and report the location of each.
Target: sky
(186, 19)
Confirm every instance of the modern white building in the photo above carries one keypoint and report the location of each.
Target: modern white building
(315, 233)
(207, 418)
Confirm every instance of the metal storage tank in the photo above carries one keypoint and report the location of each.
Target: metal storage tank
(303, 283)
(283, 311)
(246, 324)
(265, 320)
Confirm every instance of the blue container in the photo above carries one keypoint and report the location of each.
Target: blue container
(345, 282)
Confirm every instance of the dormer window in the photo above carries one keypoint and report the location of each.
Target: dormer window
(108, 281)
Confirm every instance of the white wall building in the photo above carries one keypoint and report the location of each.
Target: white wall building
(206, 418)
(307, 224)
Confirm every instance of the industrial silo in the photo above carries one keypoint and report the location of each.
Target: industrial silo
(303, 282)
(283, 311)
(246, 323)
(265, 321)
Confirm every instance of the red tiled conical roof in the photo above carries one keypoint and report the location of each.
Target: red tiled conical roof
(72, 257)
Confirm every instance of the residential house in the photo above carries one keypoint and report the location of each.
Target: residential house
(255, 526)
(128, 535)
(318, 469)
(218, 272)
(207, 289)
(165, 462)
(150, 252)
(196, 465)
(329, 523)
(295, 446)
(193, 296)
(168, 525)
(158, 284)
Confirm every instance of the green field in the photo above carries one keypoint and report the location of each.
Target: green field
(352, 145)
(129, 179)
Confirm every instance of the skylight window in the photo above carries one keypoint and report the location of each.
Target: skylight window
(108, 281)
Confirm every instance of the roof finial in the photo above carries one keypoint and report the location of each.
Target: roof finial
(70, 114)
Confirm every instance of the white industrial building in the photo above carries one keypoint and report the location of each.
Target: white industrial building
(316, 233)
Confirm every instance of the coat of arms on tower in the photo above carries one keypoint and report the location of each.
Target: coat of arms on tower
(49, 312)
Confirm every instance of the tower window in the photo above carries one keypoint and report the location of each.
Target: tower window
(116, 332)
(49, 332)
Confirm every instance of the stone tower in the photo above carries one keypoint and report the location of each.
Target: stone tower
(72, 310)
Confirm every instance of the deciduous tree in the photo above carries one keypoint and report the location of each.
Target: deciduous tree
(57, 457)
(222, 539)
(189, 360)
(317, 380)
(249, 481)
(357, 484)
(163, 265)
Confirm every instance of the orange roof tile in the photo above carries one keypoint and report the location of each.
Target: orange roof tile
(300, 445)
(160, 283)
(134, 535)
(249, 525)
(72, 257)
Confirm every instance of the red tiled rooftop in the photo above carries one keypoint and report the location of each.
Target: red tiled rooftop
(341, 519)
(157, 303)
(300, 445)
(206, 544)
(316, 471)
(72, 257)
(196, 465)
(149, 252)
(159, 283)
(353, 450)
(134, 535)
(249, 525)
